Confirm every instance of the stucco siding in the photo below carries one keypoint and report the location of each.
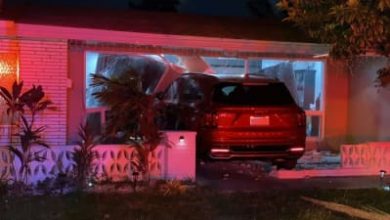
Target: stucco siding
(336, 104)
(369, 106)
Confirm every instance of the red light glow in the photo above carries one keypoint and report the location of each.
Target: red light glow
(220, 150)
(8, 75)
(297, 149)
(8, 69)
(7, 65)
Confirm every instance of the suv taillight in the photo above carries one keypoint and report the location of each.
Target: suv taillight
(301, 117)
(210, 120)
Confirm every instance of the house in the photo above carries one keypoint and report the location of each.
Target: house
(58, 48)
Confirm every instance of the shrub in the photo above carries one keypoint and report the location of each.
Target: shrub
(84, 155)
(17, 102)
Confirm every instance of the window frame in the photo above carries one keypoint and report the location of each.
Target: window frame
(309, 113)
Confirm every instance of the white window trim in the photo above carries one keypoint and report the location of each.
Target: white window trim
(320, 114)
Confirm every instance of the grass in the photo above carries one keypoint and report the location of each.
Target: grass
(194, 204)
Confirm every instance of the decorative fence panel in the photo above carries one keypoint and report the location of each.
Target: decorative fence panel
(372, 155)
(115, 161)
(112, 161)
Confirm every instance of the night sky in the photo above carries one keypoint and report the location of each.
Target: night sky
(235, 8)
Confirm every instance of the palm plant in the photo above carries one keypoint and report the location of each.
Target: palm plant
(34, 101)
(132, 114)
(29, 137)
(84, 155)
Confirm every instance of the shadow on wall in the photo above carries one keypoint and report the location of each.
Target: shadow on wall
(333, 143)
(384, 120)
(369, 107)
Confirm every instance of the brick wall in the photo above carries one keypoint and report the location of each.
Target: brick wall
(43, 62)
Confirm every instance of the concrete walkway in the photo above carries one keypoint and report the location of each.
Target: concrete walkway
(254, 176)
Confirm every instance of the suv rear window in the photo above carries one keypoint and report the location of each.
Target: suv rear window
(274, 94)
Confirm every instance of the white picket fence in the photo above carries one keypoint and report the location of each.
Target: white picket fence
(112, 161)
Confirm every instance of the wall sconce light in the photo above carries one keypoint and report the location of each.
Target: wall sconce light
(181, 141)
(8, 69)
(8, 64)
(382, 174)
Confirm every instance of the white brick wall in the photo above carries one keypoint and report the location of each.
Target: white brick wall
(44, 63)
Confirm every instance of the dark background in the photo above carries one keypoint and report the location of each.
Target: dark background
(231, 8)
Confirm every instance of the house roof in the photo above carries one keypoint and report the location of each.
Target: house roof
(159, 23)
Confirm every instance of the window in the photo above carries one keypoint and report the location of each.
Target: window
(226, 66)
(304, 79)
(150, 67)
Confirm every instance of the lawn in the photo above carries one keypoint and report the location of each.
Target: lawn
(193, 204)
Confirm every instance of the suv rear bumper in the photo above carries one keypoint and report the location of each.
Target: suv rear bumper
(254, 155)
(229, 144)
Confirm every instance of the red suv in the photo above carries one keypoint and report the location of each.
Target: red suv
(243, 118)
